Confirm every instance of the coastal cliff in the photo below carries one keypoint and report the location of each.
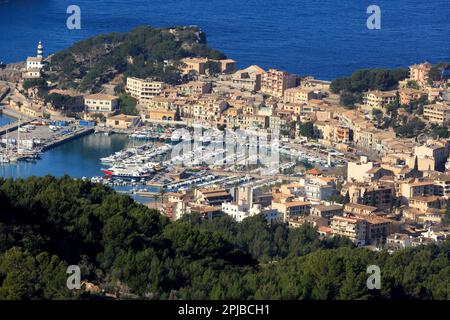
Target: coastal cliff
(142, 52)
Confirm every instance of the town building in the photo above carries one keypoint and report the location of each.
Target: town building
(122, 121)
(320, 188)
(275, 82)
(298, 95)
(144, 89)
(248, 79)
(420, 72)
(101, 103)
(326, 211)
(212, 196)
(195, 65)
(438, 113)
(350, 227)
(290, 207)
(398, 241)
(379, 99)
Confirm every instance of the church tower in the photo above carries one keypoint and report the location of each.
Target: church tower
(40, 50)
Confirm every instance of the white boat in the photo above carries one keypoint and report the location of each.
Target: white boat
(128, 173)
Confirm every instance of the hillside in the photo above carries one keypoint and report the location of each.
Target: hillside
(141, 52)
(47, 224)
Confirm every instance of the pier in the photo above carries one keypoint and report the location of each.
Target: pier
(58, 141)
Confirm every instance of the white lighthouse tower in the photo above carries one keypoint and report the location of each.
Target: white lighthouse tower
(35, 64)
(40, 50)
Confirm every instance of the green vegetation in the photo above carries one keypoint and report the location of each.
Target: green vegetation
(410, 128)
(60, 101)
(377, 115)
(307, 129)
(349, 99)
(369, 79)
(128, 105)
(439, 132)
(412, 84)
(142, 52)
(436, 71)
(47, 224)
(34, 83)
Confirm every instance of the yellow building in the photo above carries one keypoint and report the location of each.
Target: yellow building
(414, 189)
(144, 89)
(438, 113)
(407, 95)
(290, 208)
(32, 111)
(101, 103)
(122, 121)
(249, 78)
(298, 95)
(379, 99)
(160, 115)
(197, 65)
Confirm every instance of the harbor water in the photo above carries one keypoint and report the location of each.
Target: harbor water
(4, 120)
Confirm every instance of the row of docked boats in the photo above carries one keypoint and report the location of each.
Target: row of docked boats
(140, 162)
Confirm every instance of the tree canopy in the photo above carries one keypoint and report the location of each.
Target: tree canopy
(369, 79)
(47, 224)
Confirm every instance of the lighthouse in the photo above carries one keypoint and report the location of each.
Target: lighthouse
(40, 50)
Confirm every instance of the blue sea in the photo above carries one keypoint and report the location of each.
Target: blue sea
(325, 38)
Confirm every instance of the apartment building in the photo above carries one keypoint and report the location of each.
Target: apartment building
(415, 188)
(398, 241)
(320, 188)
(420, 72)
(289, 208)
(144, 89)
(358, 171)
(212, 196)
(379, 99)
(407, 95)
(442, 185)
(326, 211)
(101, 103)
(378, 195)
(241, 211)
(226, 66)
(378, 228)
(298, 95)
(197, 65)
(424, 204)
(276, 82)
(431, 156)
(360, 209)
(194, 88)
(438, 113)
(350, 227)
(248, 79)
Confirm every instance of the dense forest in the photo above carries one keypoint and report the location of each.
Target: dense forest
(142, 52)
(47, 224)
